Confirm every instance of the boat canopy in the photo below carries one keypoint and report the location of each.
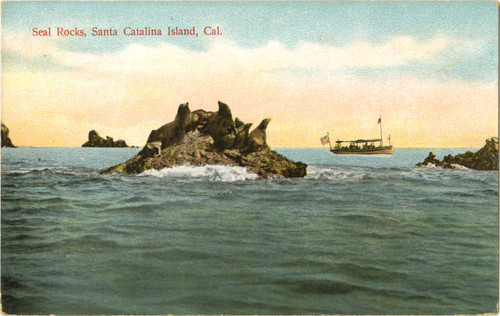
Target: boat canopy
(359, 141)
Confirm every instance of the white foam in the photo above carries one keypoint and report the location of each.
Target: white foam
(79, 172)
(457, 166)
(209, 172)
(460, 167)
(430, 166)
(60, 170)
(318, 173)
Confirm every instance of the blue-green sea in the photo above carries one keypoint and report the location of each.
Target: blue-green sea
(358, 235)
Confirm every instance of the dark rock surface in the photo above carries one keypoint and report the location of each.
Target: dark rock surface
(210, 138)
(97, 141)
(484, 159)
(6, 142)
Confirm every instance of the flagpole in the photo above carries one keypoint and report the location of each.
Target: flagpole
(381, 139)
(329, 142)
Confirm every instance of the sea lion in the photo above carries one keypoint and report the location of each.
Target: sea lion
(238, 123)
(173, 131)
(257, 138)
(242, 135)
(199, 120)
(221, 127)
(151, 149)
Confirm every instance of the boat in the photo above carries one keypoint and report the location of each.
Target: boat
(360, 146)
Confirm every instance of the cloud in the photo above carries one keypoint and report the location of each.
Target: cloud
(138, 58)
(29, 46)
(128, 93)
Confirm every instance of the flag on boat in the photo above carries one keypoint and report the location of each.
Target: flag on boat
(379, 120)
(324, 140)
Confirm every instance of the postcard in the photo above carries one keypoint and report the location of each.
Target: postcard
(249, 157)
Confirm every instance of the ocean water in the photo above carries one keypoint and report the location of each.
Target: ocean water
(358, 235)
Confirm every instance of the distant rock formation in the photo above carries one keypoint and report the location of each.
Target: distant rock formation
(97, 141)
(6, 142)
(210, 138)
(484, 159)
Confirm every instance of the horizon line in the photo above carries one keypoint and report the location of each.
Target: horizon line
(277, 147)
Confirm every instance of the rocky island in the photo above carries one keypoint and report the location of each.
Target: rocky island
(210, 138)
(6, 142)
(484, 159)
(97, 141)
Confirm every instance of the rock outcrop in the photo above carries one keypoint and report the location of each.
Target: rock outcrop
(97, 141)
(6, 142)
(484, 159)
(210, 138)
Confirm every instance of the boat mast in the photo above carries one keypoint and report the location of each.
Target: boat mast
(381, 139)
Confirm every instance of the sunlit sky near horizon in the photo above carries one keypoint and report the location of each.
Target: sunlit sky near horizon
(429, 68)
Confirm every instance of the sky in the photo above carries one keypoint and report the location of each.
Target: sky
(430, 69)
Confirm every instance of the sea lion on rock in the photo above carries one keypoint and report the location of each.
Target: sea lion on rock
(199, 120)
(196, 147)
(221, 127)
(173, 131)
(151, 149)
(238, 123)
(257, 138)
(242, 136)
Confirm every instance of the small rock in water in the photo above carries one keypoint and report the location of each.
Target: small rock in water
(97, 141)
(6, 141)
(485, 158)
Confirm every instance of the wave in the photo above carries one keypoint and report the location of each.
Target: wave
(319, 173)
(21, 171)
(207, 173)
(457, 166)
(56, 170)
